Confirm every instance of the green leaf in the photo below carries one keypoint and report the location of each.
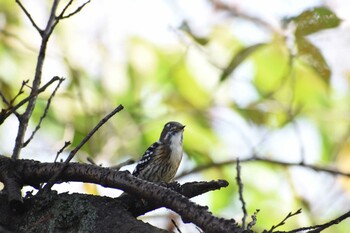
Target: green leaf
(271, 65)
(238, 58)
(315, 20)
(310, 91)
(312, 56)
(189, 88)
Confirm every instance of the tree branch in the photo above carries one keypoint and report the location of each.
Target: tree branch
(240, 192)
(319, 228)
(24, 119)
(44, 114)
(191, 189)
(62, 16)
(33, 172)
(81, 144)
(45, 35)
(29, 17)
(14, 108)
(265, 160)
(290, 214)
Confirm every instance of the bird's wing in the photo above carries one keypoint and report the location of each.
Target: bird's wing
(146, 158)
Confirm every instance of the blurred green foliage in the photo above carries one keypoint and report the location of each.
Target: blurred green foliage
(161, 84)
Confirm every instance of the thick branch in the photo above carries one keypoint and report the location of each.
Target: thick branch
(33, 172)
(139, 207)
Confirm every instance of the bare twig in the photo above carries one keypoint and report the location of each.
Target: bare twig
(52, 22)
(56, 19)
(44, 114)
(62, 16)
(14, 108)
(24, 119)
(64, 9)
(66, 144)
(20, 92)
(240, 192)
(10, 103)
(319, 228)
(76, 149)
(265, 160)
(29, 17)
(290, 214)
(3, 111)
(45, 35)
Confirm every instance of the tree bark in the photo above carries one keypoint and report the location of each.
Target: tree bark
(85, 213)
(64, 212)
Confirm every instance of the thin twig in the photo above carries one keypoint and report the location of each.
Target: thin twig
(29, 17)
(4, 111)
(319, 228)
(240, 192)
(44, 114)
(14, 108)
(76, 149)
(64, 9)
(74, 12)
(265, 160)
(20, 91)
(66, 144)
(10, 103)
(56, 19)
(290, 214)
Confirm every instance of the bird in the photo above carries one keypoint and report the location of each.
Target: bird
(161, 160)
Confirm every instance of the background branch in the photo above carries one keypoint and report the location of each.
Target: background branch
(240, 192)
(45, 112)
(45, 35)
(25, 100)
(29, 17)
(331, 171)
(81, 144)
